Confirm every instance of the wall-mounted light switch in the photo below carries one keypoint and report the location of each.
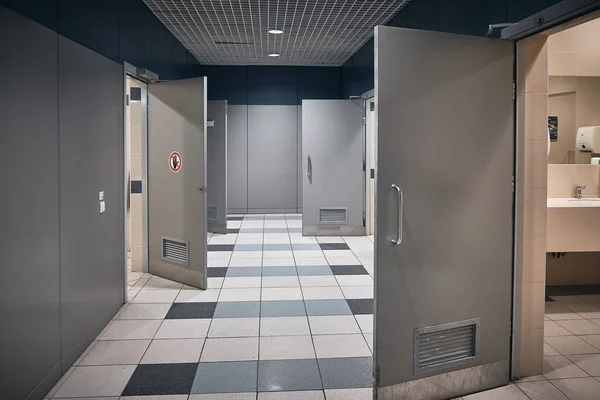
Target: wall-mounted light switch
(101, 195)
(102, 207)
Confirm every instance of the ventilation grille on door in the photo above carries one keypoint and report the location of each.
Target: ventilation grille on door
(333, 216)
(212, 212)
(443, 346)
(175, 251)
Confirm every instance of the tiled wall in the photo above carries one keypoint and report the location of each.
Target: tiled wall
(575, 51)
(562, 179)
(533, 84)
(576, 103)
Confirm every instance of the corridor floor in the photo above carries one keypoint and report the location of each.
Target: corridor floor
(287, 317)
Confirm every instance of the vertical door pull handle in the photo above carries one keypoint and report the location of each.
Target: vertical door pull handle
(399, 220)
(309, 168)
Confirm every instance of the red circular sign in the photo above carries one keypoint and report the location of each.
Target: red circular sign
(175, 161)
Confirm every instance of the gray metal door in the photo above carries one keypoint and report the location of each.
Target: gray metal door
(176, 180)
(216, 165)
(332, 162)
(444, 232)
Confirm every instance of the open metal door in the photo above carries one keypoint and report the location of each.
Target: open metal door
(217, 166)
(333, 179)
(176, 180)
(444, 231)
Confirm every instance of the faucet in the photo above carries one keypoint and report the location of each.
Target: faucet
(578, 190)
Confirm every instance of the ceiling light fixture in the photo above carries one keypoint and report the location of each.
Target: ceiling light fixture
(276, 31)
(273, 54)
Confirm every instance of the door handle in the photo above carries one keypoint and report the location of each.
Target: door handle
(399, 220)
(309, 168)
(202, 189)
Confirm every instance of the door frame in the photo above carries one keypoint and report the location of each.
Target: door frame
(130, 70)
(367, 97)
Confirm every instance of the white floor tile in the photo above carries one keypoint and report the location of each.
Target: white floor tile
(145, 311)
(245, 254)
(223, 396)
(279, 254)
(551, 328)
(286, 348)
(594, 340)
(369, 340)
(299, 395)
(339, 254)
(183, 329)
(164, 351)
(330, 239)
(198, 296)
(215, 283)
(234, 327)
(162, 283)
(334, 346)
(334, 324)
(579, 389)
(358, 292)
(313, 261)
(245, 262)
(218, 262)
(590, 363)
(307, 254)
(131, 329)
(156, 296)
(97, 381)
(213, 255)
(284, 326)
(230, 349)
(251, 294)
(322, 293)
(116, 352)
(580, 327)
(281, 294)
(280, 281)
(278, 261)
(365, 322)
(354, 280)
(349, 394)
(242, 282)
(568, 345)
(560, 367)
(510, 392)
(318, 281)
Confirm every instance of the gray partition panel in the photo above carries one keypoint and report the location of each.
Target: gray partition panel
(332, 154)
(216, 165)
(29, 260)
(91, 160)
(272, 158)
(237, 159)
(299, 166)
(176, 198)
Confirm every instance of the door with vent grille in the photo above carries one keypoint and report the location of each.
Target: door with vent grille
(444, 223)
(333, 180)
(177, 215)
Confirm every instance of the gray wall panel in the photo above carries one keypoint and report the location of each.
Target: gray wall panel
(272, 155)
(92, 255)
(299, 163)
(237, 158)
(216, 164)
(29, 256)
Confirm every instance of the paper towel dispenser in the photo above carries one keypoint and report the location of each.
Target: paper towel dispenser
(588, 139)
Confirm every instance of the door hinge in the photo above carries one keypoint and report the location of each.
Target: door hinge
(514, 90)
(372, 106)
(126, 99)
(364, 120)
(364, 160)
(364, 219)
(513, 183)
(510, 328)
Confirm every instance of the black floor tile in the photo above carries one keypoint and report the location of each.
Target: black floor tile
(346, 373)
(349, 270)
(233, 230)
(235, 218)
(217, 272)
(191, 310)
(161, 379)
(572, 290)
(220, 247)
(334, 246)
(361, 306)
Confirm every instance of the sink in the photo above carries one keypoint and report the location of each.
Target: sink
(586, 199)
(568, 202)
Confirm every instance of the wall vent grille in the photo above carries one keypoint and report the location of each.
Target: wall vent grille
(333, 216)
(443, 346)
(175, 251)
(212, 212)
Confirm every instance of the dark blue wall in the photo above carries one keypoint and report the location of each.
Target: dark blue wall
(122, 30)
(470, 17)
(272, 85)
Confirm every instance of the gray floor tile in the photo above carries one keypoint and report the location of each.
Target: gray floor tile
(343, 373)
(282, 308)
(314, 270)
(288, 375)
(279, 271)
(327, 307)
(297, 395)
(277, 247)
(306, 246)
(237, 309)
(243, 271)
(225, 377)
(248, 247)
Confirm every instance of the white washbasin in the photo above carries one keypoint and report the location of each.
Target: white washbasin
(566, 202)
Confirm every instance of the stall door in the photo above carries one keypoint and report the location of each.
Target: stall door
(176, 180)
(333, 179)
(216, 164)
(444, 232)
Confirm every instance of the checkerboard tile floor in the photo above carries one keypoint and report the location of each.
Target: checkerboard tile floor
(284, 317)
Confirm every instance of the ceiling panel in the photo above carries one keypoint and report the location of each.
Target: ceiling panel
(235, 32)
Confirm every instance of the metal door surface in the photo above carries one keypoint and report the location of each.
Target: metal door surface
(216, 164)
(332, 162)
(176, 180)
(444, 230)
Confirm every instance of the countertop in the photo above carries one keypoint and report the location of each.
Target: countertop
(571, 202)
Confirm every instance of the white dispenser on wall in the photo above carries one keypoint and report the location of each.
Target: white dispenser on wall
(588, 139)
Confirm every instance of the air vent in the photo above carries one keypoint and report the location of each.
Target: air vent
(333, 216)
(442, 346)
(212, 212)
(175, 251)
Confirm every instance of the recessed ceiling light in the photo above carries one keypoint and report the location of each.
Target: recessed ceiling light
(276, 31)
(273, 54)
